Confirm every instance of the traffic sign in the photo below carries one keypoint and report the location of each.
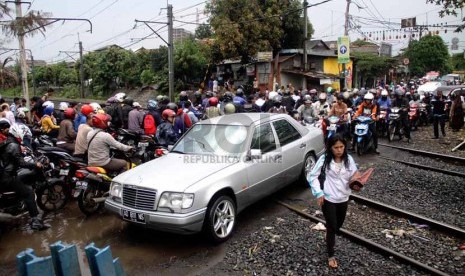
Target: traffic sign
(343, 50)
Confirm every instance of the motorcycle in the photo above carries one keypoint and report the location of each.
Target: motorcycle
(413, 114)
(382, 124)
(364, 141)
(395, 124)
(92, 187)
(423, 115)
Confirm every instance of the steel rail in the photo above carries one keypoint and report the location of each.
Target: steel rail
(444, 227)
(370, 244)
(426, 153)
(429, 168)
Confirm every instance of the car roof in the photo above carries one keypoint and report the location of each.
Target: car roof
(244, 119)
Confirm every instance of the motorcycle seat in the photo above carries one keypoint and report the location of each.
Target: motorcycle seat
(49, 149)
(96, 170)
(76, 159)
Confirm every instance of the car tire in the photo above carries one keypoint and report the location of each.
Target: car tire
(221, 219)
(309, 162)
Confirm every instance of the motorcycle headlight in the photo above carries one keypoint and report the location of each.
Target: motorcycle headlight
(176, 201)
(116, 190)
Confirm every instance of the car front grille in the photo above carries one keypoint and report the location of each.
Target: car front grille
(142, 199)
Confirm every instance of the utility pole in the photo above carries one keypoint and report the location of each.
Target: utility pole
(22, 56)
(346, 33)
(170, 53)
(304, 84)
(33, 75)
(81, 69)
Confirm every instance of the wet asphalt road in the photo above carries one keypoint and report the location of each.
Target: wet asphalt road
(141, 251)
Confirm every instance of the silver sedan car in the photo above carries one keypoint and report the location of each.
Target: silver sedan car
(218, 168)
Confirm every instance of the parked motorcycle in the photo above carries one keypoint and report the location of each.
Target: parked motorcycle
(364, 142)
(423, 117)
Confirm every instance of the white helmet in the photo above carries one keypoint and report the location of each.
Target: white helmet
(21, 112)
(119, 97)
(368, 96)
(63, 106)
(346, 95)
(384, 93)
(322, 96)
(272, 94)
(355, 90)
(95, 106)
(48, 104)
(17, 131)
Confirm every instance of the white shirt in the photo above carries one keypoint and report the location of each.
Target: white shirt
(336, 187)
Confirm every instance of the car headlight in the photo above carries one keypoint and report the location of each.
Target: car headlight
(116, 190)
(176, 201)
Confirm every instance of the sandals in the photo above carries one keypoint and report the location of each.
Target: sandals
(332, 263)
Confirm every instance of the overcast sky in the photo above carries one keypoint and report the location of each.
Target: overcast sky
(114, 21)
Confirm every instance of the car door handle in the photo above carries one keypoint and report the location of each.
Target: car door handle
(302, 146)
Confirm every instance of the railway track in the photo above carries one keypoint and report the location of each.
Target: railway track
(427, 153)
(424, 167)
(443, 227)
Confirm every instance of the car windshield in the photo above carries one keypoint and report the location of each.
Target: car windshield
(224, 140)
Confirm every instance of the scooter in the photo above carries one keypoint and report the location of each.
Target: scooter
(92, 187)
(395, 124)
(423, 115)
(382, 123)
(364, 141)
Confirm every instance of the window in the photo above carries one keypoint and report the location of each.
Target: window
(286, 132)
(263, 139)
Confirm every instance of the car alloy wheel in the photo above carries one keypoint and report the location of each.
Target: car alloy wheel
(221, 218)
(310, 161)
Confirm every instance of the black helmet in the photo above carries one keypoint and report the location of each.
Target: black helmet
(129, 101)
(228, 97)
(198, 94)
(240, 92)
(183, 96)
(173, 107)
(4, 123)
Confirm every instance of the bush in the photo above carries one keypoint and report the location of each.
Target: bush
(71, 91)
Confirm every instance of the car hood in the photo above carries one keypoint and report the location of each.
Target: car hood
(172, 172)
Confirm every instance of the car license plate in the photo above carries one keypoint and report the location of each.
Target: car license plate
(81, 185)
(64, 172)
(143, 144)
(133, 216)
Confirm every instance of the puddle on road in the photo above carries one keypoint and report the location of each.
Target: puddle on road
(140, 250)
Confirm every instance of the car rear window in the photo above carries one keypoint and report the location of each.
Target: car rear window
(286, 132)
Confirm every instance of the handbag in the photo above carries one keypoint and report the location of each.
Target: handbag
(322, 176)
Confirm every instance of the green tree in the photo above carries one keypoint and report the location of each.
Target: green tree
(190, 61)
(457, 62)
(203, 31)
(370, 66)
(450, 7)
(147, 77)
(428, 54)
(293, 26)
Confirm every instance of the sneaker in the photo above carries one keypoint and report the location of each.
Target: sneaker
(376, 151)
(37, 224)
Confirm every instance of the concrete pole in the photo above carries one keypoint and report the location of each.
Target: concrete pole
(22, 56)
(346, 33)
(304, 84)
(81, 70)
(33, 75)
(170, 53)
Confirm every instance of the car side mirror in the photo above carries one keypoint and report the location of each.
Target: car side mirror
(255, 154)
(170, 147)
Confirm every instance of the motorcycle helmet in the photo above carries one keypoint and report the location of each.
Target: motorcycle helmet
(361, 92)
(368, 96)
(229, 108)
(159, 98)
(21, 112)
(100, 121)
(240, 92)
(213, 101)
(272, 94)
(86, 110)
(346, 95)
(173, 107)
(384, 93)
(18, 132)
(183, 96)
(313, 91)
(209, 94)
(308, 99)
(167, 113)
(48, 110)
(128, 101)
(95, 107)
(4, 123)
(355, 90)
(228, 97)
(277, 100)
(287, 92)
(48, 104)
(399, 92)
(63, 106)
(119, 97)
(70, 113)
(329, 90)
(198, 95)
(322, 96)
(152, 104)
(416, 97)
(111, 100)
